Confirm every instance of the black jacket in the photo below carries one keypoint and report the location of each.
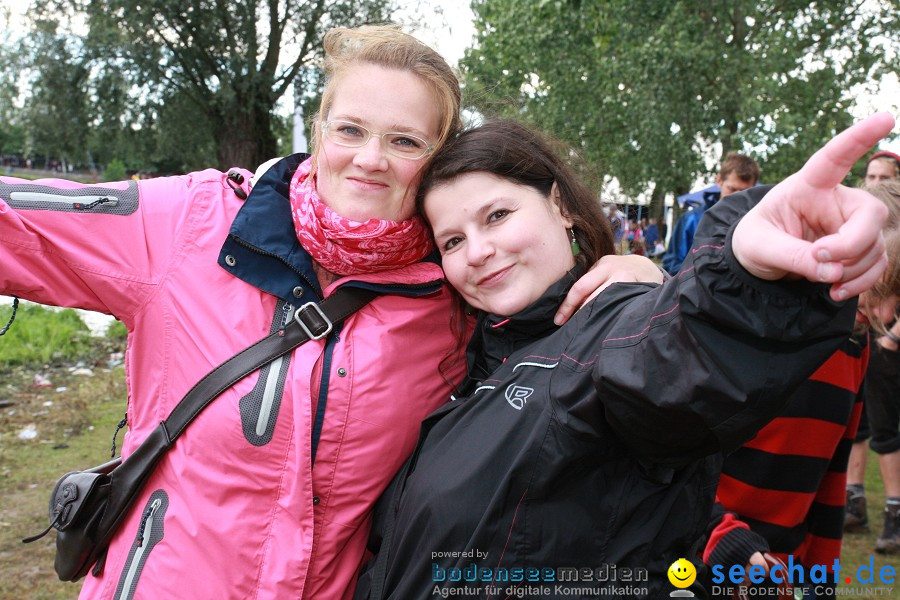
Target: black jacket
(597, 445)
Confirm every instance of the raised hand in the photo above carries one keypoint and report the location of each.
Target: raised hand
(812, 226)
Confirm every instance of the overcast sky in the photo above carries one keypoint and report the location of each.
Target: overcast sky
(450, 33)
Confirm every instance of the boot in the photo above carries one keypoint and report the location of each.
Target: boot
(889, 542)
(856, 517)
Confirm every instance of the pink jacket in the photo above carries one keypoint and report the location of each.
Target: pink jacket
(235, 509)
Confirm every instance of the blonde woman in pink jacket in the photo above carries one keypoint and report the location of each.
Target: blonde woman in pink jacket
(268, 493)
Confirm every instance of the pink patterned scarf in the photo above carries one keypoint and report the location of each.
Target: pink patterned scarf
(348, 247)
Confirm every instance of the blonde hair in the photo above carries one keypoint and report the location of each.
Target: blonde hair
(889, 283)
(387, 46)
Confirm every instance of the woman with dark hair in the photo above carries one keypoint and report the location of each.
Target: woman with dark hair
(581, 461)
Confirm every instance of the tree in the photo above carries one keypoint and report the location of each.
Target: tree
(228, 62)
(12, 134)
(184, 138)
(115, 170)
(56, 112)
(649, 91)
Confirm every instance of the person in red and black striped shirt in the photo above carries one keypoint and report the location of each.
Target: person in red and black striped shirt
(784, 491)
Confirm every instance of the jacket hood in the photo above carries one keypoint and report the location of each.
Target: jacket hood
(268, 202)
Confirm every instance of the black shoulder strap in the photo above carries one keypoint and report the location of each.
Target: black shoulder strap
(311, 321)
(12, 317)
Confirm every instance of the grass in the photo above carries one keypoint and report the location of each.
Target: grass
(40, 335)
(858, 548)
(73, 420)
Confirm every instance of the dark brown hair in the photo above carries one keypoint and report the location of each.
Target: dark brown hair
(521, 155)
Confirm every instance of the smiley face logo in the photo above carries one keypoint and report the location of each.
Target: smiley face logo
(682, 573)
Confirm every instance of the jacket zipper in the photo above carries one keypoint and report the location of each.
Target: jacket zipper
(265, 409)
(76, 202)
(249, 246)
(143, 532)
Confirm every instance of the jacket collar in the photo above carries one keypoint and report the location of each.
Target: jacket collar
(262, 248)
(269, 203)
(497, 337)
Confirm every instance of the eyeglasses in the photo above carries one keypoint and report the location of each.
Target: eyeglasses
(354, 135)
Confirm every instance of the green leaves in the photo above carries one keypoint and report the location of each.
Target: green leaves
(180, 85)
(56, 116)
(656, 92)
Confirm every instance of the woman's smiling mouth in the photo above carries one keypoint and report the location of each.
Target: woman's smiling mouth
(494, 278)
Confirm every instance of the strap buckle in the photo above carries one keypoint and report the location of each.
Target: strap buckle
(316, 321)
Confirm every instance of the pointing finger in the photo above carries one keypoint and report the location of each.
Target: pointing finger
(828, 167)
(862, 282)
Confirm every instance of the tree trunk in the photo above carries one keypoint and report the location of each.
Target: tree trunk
(244, 137)
(658, 208)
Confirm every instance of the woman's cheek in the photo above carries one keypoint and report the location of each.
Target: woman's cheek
(452, 271)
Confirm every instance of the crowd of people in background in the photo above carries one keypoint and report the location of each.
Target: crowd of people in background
(12, 161)
(645, 237)
(31, 167)
(642, 235)
(635, 236)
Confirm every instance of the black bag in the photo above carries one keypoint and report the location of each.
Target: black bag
(86, 507)
(76, 507)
